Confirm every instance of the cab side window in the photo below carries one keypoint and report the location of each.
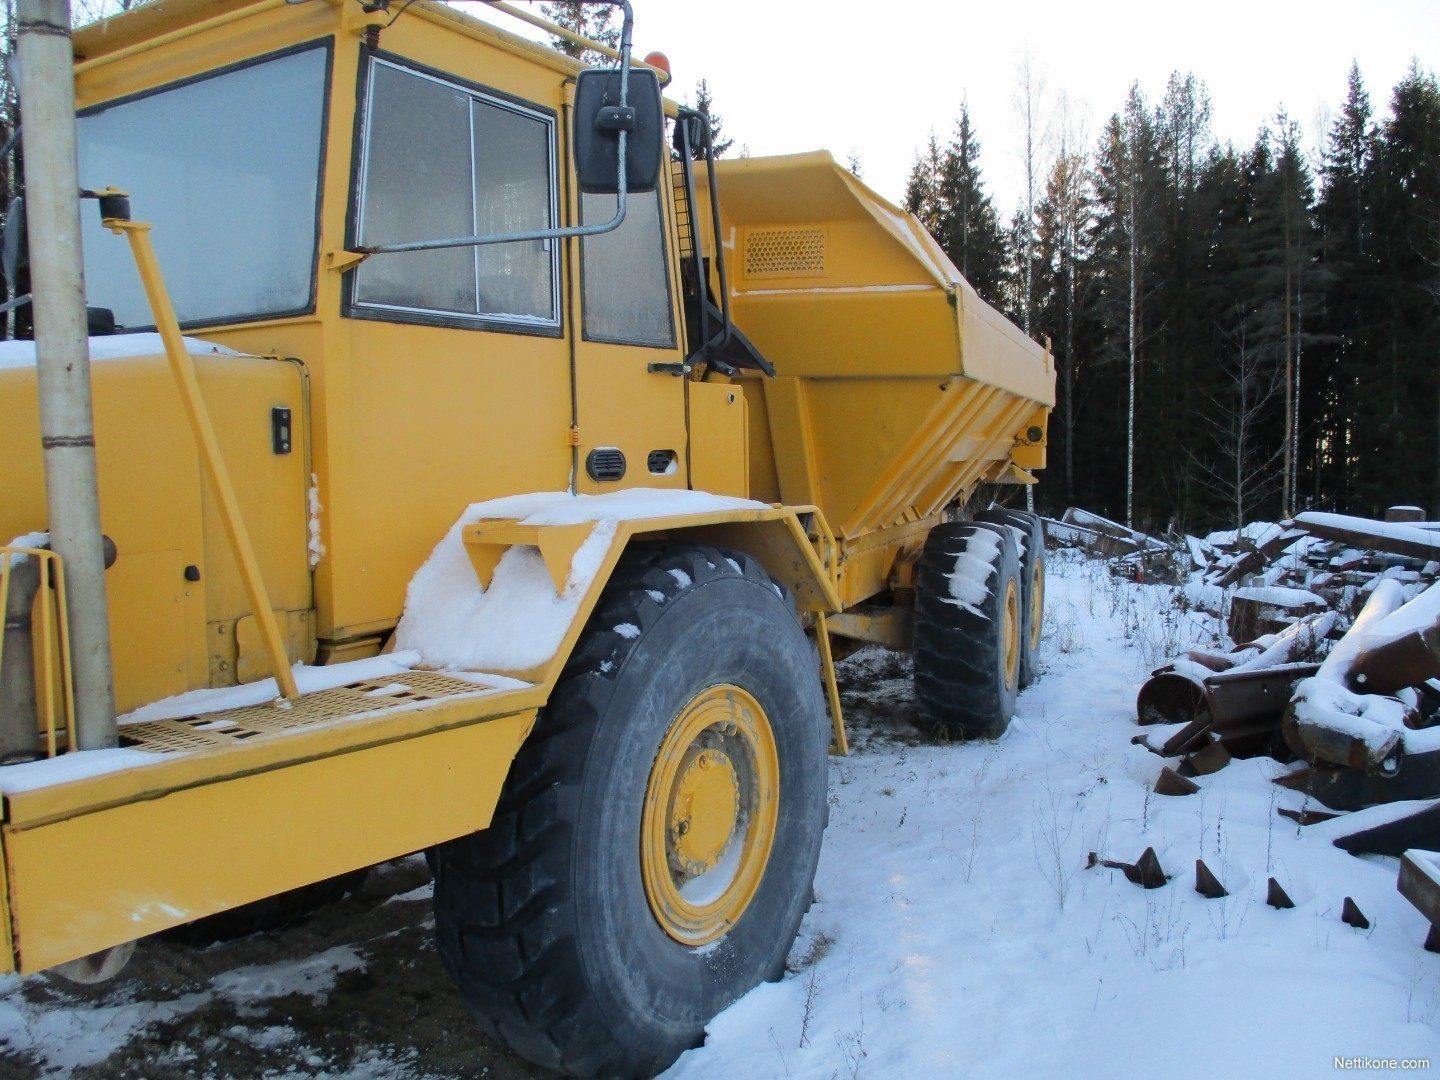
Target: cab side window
(444, 160)
(626, 286)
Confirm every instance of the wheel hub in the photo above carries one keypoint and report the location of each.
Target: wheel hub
(709, 816)
(703, 812)
(1010, 634)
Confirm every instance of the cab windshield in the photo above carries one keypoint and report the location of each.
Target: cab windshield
(227, 169)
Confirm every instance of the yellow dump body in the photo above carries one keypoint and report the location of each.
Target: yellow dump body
(898, 388)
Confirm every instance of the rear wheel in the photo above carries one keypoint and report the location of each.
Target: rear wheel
(968, 629)
(655, 847)
(1032, 583)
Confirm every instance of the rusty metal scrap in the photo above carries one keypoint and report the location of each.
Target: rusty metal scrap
(1392, 537)
(1419, 882)
(1408, 660)
(1415, 776)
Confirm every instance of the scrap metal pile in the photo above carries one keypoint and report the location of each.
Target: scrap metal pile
(1336, 667)
(1337, 621)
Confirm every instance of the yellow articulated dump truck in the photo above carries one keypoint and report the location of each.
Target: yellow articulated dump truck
(426, 445)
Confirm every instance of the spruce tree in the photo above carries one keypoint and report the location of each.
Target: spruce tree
(1062, 287)
(970, 229)
(588, 20)
(1404, 458)
(705, 103)
(922, 190)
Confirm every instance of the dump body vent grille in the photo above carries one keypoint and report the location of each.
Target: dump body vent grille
(662, 462)
(785, 252)
(605, 464)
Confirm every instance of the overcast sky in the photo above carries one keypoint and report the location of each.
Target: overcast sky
(876, 78)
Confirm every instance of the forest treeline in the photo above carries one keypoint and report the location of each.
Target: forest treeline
(1238, 332)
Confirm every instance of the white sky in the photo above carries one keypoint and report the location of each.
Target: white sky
(876, 78)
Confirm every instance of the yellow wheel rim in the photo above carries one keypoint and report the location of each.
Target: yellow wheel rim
(1010, 632)
(709, 818)
(1037, 603)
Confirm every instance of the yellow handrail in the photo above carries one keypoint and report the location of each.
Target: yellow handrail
(182, 366)
(54, 637)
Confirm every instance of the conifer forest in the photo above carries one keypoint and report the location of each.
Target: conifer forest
(1238, 332)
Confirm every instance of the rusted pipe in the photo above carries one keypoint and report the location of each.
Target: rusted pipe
(1406, 661)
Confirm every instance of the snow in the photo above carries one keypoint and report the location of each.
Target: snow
(1302, 639)
(1257, 532)
(21, 354)
(1419, 614)
(974, 566)
(82, 1034)
(1385, 599)
(316, 543)
(39, 540)
(519, 622)
(87, 763)
(308, 679)
(312, 976)
(963, 935)
(68, 767)
(1279, 596)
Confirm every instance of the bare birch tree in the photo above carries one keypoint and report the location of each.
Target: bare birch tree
(1239, 471)
(1029, 103)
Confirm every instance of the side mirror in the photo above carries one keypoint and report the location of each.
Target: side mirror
(13, 242)
(599, 121)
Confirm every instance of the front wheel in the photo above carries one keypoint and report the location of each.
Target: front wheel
(655, 847)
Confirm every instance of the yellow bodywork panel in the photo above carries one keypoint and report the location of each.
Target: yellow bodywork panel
(719, 448)
(83, 881)
(174, 591)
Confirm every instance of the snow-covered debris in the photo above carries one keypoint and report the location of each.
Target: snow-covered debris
(1306, 639)
(1417, 615)
(1344, 728)
(1386, 598)
(1393, 536)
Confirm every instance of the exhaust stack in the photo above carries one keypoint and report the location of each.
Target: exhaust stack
(67, 427)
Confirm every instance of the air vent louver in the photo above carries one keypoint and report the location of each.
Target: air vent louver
(605, 464)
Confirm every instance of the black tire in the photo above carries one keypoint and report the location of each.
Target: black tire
(271, 913)
(1032, 583)
(966, 678)
(545, 918)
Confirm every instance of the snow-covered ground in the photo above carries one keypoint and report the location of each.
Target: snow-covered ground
(957, 930)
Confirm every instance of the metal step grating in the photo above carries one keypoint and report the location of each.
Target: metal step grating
(234, 726)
